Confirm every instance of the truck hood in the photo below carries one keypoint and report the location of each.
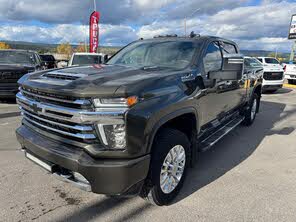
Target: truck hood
(93, 81)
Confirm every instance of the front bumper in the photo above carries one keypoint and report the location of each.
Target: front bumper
(272, 84)
(290, 76)
(105, 176)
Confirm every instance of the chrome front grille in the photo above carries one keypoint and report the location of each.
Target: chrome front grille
(53, 120)
(48, 114)
(75, 131)
(50, 98)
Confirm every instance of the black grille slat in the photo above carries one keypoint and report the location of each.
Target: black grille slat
(273, 75)
(11, 75)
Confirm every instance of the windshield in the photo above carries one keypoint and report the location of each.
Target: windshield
(47, 58)
(10, 57)
(86, 59)
(252, 62)
(166, 54)
(271, 61)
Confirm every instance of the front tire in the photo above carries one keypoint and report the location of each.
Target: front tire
(291, 81)
(251, 113)
(170, 160)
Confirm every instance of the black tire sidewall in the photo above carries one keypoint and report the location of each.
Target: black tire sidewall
(248, 117)
(164, 142)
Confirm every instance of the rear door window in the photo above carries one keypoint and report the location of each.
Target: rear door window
(228, 48)
(213, 58)
(260, 60)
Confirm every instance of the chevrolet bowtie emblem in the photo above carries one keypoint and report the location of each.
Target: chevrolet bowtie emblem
(36, 108)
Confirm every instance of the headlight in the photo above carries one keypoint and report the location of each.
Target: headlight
(116, 102)
(113, 132)
(114, 136)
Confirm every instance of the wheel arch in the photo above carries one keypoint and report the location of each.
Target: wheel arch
(179, 120)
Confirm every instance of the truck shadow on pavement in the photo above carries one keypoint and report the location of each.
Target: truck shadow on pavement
(280, 91)
(104, 207)
(235, 148)
(213, 164)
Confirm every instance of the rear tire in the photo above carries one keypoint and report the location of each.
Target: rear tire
(252, 110)
(169, 163)
(291, 81)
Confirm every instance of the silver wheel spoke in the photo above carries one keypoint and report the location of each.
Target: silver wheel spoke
(254, 109)
(172, 169)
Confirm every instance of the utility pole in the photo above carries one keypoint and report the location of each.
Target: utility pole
(292, 56)
(185, 20)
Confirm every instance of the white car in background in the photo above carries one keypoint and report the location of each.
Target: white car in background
(85, 59)
(290, 72)
(273, 77)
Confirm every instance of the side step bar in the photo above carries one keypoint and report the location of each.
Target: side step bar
(220, 133)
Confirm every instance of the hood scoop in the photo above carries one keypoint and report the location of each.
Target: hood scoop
(63, 76)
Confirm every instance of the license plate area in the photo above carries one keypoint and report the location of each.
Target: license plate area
(44, 164)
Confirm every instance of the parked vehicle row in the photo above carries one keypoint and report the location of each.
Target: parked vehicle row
(16, 63)
(13, 65)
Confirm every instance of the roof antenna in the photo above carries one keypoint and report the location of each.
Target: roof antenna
(192, 34)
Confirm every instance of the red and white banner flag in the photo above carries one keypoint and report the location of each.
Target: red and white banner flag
(94, 32)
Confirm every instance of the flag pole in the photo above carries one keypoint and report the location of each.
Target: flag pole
(95, 5)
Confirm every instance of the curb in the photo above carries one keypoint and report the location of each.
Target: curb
(290, 86)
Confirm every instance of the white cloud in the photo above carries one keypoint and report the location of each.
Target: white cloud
(126, 20)
(110, 34)
(263, 26)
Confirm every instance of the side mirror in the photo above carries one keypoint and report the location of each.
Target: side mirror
(232, 69)
(106, 59)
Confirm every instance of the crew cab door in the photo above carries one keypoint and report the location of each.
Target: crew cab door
(220, 96)
(236, 87)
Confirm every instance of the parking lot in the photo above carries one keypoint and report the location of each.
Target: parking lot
(248, 176)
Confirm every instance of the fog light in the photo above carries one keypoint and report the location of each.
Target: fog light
(115, 136)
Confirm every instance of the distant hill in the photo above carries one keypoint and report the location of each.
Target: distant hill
(48, 48)
(257, 53)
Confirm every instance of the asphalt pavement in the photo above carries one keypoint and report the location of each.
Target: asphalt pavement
(250, 175)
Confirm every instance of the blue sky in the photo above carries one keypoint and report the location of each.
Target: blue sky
(254, 24)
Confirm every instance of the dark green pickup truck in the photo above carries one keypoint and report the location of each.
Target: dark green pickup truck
(134, 125)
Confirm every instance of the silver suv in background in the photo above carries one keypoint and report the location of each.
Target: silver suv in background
(273, 77)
